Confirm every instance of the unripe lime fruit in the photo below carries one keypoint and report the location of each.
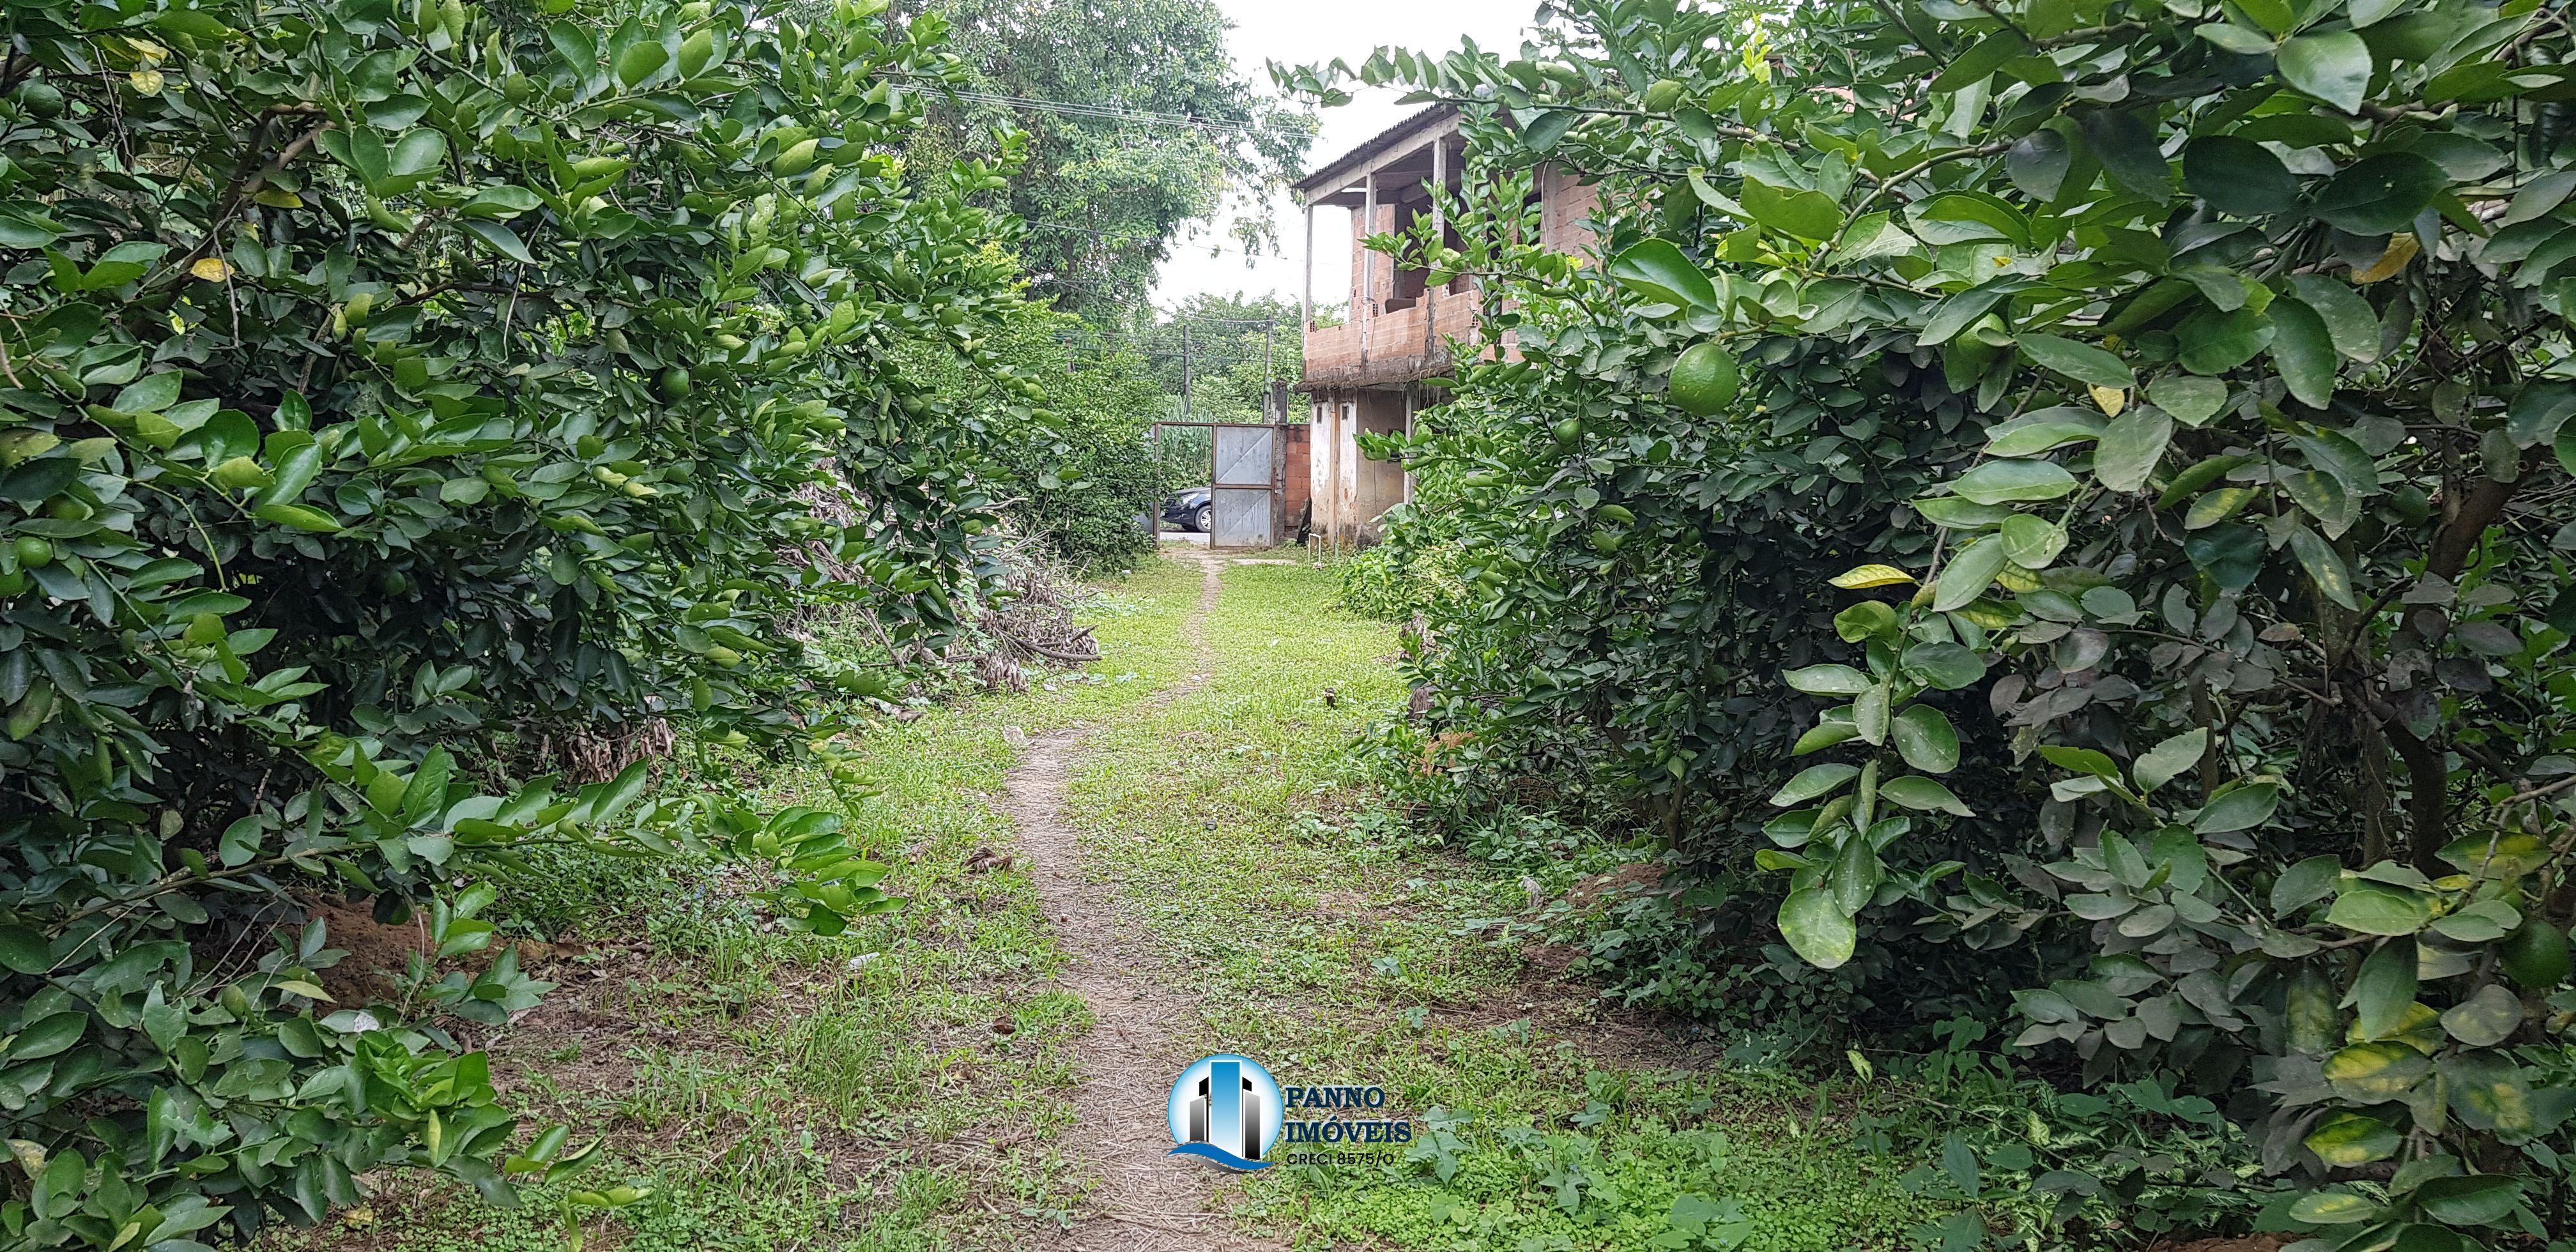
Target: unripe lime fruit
(12, 583)
(1569, 431)
(2534, 955)
(35, 552)
(1705, 380)
(1661, 97)
(676, 383)
(39, 98)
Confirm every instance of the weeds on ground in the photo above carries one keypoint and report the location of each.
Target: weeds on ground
(780, 1090)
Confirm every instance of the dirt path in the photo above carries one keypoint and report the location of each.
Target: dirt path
(1146, 1201)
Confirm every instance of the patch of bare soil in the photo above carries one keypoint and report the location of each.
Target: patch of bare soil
(1145, 1201)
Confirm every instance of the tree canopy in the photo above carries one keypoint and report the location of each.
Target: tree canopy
(1137, 122)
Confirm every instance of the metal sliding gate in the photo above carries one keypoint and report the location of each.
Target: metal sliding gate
(1247, 482)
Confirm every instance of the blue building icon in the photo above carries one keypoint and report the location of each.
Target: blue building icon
(1226, 1113)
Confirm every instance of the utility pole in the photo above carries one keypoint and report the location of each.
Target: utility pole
(1185, 369)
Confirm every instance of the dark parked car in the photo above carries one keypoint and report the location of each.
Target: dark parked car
(1190, 510)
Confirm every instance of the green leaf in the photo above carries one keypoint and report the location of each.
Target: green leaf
(2131, 448)
(2324, 565)
(1923, 795)
(2216, 507)
(640, 61)
(2497, 855)
(2372, 908)
(1869, 619)
(1926, 739)
(2238, 176)
(696, 53)
(1944, 665)
(2374, 1072)
(1854, 875)
(1958, 514)
(2126, 145)
(2212, 342)
(2191, 400)
(1542, 131)
(297, 516)
(1657, 270)
(2385, 988)
(499, 238)
(2380, 195)
(1953, 314)
(1869, 715)
(2029, 438)
(2304, 352)
(2037, 164)
(416, 154)
(1821, 933)
(1828, 680)
(2486, 1019)
(2168, 760)
(2010, 480)
(2235, 38)
(2083, 760)
(2333, 67)
(2305, 883)
(2539, 411)
(2333, 1208)
(25, 950)
(1823, 735)
(2080, 361)
(2349, 321)
(2475, 1200)
(1969, 573)
(1981, 61)
(48, 1036)
(1959, 1161)
(2032, 542)
(1813, 782)
(1810, 215)
(574, 45)
(2348, 1139)
(2241, 808)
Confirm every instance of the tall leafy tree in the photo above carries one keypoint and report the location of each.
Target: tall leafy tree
(1137, 122)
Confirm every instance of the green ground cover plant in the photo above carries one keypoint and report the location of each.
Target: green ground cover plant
(2054, 513)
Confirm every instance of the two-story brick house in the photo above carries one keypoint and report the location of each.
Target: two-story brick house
(1364, 375)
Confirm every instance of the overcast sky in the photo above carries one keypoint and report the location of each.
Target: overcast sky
(1298, 32)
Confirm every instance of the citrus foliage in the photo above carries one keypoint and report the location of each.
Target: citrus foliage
(1081, 468)
(2146, 497)
(386, 384)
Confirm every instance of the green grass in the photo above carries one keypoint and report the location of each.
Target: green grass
(774, 1098)
(1338, 952)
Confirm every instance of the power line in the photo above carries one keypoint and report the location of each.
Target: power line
(1102, 112)
(1111, 234)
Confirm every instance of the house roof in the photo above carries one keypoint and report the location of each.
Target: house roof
(1339, 172)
